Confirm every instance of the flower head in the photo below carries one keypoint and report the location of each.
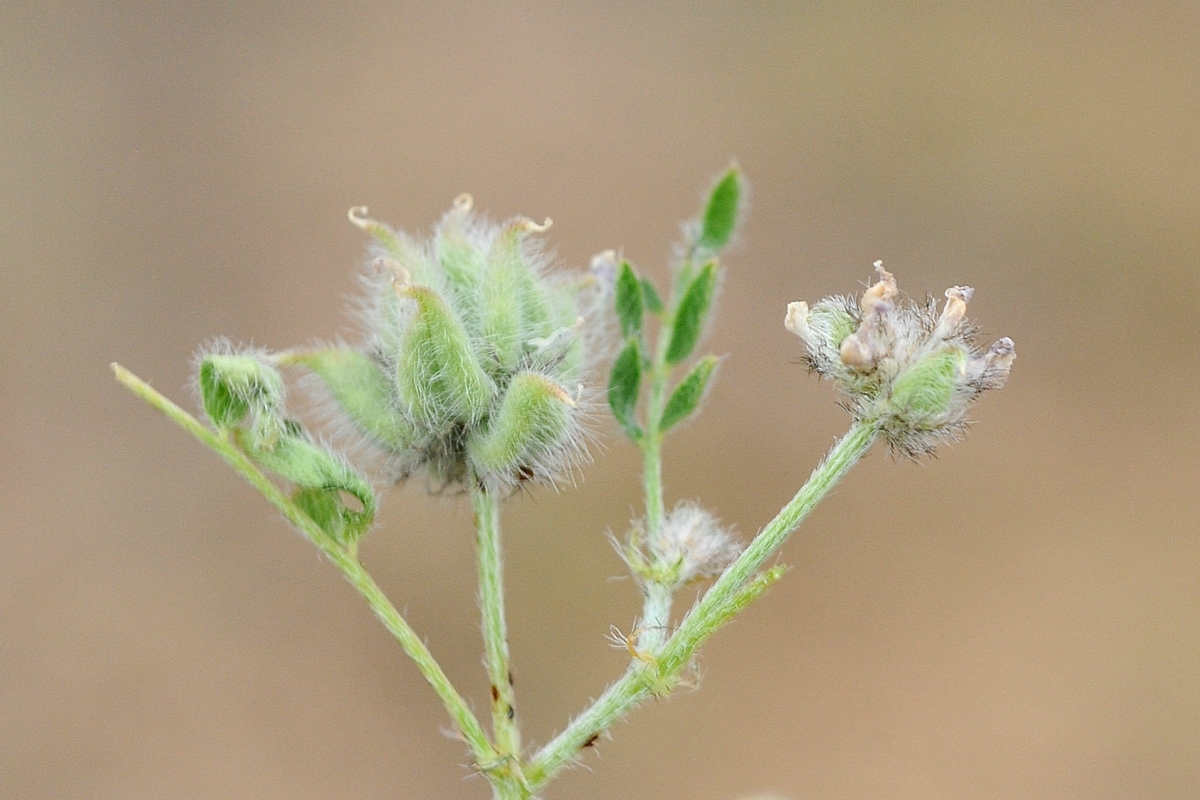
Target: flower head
(909, 368)
(475, 353)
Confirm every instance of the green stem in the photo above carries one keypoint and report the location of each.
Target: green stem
(708, 614)
(652, 441)
(342, 557)
(656, 616)
(737, 586)
(495, 631)
(656, 607)
(617, 700)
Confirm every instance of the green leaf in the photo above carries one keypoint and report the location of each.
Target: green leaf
(629, 301)
(624, 386)
(721, 214)
(688, 394)
(322, 507)
(653, 302)
(692, 313)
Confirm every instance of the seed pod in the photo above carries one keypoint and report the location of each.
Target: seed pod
(532, 434)
(923, 393)
(460, 328)
(438, 374)
(513, 306)
(364, 392)
(458, 253)
(298, 459)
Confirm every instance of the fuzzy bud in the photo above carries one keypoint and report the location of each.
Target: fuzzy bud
(232, 385)
(909, 368)
(363, 390)
(243, 395)
(690, 545)
(320, 476)
(603, 268)
(693, 545)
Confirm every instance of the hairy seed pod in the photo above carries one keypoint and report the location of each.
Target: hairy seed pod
(437, 372)
(362, 389)
(530, 434)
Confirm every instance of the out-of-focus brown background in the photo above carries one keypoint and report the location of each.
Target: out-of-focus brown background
(1019, 618)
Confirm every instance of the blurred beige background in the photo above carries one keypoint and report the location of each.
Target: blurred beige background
(1019, 618)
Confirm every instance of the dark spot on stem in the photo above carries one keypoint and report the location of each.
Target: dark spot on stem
(591, 741)
(495, 693)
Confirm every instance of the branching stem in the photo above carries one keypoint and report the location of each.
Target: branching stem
(738, 585)
(342, 557)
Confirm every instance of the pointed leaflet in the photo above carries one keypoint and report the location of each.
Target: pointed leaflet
(691, 314)
(721, 214)
(688, 394)
(623, 388)
(629, 301)
(654, 303)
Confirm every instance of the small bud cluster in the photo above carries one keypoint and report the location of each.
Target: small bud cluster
(475, 354)
(909, 368)
(690, 545)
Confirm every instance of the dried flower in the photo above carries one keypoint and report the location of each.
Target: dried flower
(906, 367)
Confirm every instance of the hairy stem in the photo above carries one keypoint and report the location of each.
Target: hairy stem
(740, 584)
(656, 608)
(710, 613)
(342, 557)
(652, 445)
(495, 631)
(617, 700)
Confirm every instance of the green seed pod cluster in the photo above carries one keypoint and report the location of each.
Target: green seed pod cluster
(909, 368)
(243, 395)
(474, 357)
